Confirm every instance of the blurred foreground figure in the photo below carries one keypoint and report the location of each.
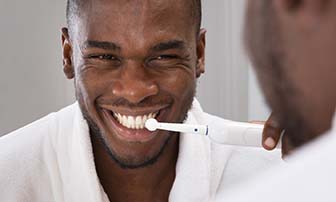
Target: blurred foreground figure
(292, 46)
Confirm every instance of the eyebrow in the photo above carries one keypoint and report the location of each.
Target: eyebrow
(173, 44)
(102, 45)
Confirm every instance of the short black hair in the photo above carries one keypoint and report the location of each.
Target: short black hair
(74, 6)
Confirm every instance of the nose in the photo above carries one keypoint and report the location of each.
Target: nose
(135, 84)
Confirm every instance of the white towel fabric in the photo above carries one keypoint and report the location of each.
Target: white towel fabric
(51, 160)
(309, 176)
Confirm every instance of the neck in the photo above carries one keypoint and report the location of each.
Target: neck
(151, 183)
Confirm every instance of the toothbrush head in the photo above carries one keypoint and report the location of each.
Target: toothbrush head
(151, 124)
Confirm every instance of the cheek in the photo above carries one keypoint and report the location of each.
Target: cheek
(89, 85)
(180, 83)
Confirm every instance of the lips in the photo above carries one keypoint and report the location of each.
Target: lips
(129, 125)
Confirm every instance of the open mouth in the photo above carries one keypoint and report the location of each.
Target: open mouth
(134, 122)
(129, 124)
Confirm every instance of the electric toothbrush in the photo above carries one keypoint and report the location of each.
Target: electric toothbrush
(229, 133)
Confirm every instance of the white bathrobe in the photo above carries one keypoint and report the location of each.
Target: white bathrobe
(309, 176)
(51, 160)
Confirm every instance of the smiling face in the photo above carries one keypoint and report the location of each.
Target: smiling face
(132, 61)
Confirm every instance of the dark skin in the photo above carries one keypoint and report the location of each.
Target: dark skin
(137, 63)
(135, 184)
(134, 64)
(273, 134)
(292, 45)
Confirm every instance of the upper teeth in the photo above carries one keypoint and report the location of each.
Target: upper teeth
(134, 122)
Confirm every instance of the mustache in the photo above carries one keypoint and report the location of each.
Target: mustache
(147, 102)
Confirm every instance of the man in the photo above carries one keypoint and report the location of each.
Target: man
(292, 45)
(130, 61)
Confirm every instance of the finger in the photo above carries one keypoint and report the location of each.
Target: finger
(287, 147)
(272, 133)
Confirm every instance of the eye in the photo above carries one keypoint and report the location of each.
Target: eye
(103, 57)
(166, 57)
(165, 60)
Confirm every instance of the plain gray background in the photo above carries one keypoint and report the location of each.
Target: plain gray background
(32, 83)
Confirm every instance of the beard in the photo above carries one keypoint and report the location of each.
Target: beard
(124, 162)
(264, 44)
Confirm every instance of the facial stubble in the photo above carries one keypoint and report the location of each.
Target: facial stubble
(124, 163)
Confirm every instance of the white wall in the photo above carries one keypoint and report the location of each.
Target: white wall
(31, 79)
(223, 90)
(32, 83)
(229, 87)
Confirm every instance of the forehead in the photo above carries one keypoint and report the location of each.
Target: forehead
(134, 20)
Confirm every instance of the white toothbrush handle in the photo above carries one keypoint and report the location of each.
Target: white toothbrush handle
(238, 133)
(229, 133)
(183, 128)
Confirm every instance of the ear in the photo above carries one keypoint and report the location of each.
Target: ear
(68, 68)
(201, 41)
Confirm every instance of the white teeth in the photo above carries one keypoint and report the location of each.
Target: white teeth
(132, 122)
(151, 116)
(138, 122)
(124, 120)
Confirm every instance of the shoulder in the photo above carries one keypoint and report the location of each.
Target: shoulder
(26, 153)
(35, 135)
(247, 162)
(26, 139)
(242, 165)
(309, 175)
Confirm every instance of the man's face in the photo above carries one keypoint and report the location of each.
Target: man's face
(291, 50)
(135, 60)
